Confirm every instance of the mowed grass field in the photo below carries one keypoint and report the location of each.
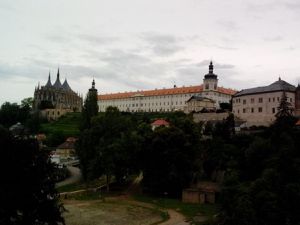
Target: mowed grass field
(109, 212)
(67, 125)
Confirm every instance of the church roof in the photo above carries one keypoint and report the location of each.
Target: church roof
(165, 91)
(57, 83)
(66, 86)
(49, 82)
(279, 85)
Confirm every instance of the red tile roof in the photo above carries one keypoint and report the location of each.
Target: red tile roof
(165, 91)
(160, 122)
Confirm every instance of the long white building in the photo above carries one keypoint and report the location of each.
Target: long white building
(167, 99)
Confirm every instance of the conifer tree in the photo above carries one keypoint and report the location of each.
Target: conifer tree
(284, 116)
(285, 108)
(90, 107)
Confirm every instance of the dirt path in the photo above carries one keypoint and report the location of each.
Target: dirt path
(175, 218)
(74, 177)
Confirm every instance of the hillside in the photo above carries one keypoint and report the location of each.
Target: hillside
(67, 125)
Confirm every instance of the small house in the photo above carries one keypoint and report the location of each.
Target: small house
(159, 123)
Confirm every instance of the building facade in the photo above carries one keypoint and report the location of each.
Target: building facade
(197, 104)
(258, 106)
(56, 99)
(167, 99)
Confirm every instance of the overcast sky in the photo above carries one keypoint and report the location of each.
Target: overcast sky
(144, 44)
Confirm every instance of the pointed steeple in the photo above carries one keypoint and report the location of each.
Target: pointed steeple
(66, 86)
(57, 83)
(48, 84)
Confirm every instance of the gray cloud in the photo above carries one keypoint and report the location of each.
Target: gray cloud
(292, 5)
(228, 25)
(6, 7)
(205, 63)
(163, 44)
(273, 39)
(58, 38)
(93, 39)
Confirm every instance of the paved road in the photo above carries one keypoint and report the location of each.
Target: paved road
(74, 177)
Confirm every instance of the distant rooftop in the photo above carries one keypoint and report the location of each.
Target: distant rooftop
(279, 85)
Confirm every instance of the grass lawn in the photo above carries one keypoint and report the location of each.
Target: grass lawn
(109, 212)
(67, 125)
(189, 210)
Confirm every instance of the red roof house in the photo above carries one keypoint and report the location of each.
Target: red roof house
(159, 123)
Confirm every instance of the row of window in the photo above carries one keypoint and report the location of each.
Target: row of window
(260, 100)
(144, 104)
(252, 110)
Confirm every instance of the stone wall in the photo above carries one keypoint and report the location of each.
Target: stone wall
(54, 114)
(204, 117)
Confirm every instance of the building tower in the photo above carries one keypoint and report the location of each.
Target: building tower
(210, 81)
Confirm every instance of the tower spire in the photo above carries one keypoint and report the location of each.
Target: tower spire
(57, 83)
(211, 67)
(93, 83)
(48, 84)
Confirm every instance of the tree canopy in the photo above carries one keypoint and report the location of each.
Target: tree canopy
(27, 190)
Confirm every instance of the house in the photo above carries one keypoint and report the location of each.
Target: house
(159, 123)
(67, 149)
(198, 103)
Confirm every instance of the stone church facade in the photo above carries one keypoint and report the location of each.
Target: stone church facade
(54, 100)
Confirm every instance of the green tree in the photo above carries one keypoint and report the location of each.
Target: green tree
(169, 161)
(109, 147)
(90, 107)
(27, 190)
(27, 102)
(285, 108)
(11, 113)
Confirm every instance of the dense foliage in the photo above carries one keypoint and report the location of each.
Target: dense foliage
(12, 113)
(120, 144)
(90, 108)
(27, 190)
(262, 181)
(260, 169)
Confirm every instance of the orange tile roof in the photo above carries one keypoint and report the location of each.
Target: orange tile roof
(165, 91)
(160, 122)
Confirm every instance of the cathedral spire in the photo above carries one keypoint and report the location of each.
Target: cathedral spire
(48, 84)
(57, 83)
